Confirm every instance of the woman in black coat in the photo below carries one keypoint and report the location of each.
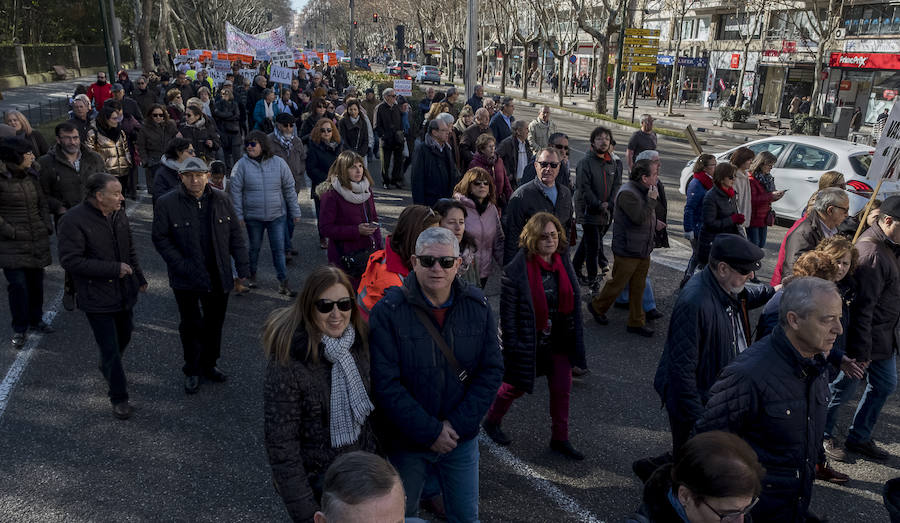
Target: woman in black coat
(324, 147)
(720, 213)
(316, 348)
(540, 318)
(153, 138)
(228, 119)
(165, 178)
(201, 131)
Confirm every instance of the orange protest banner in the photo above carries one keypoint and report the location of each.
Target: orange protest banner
(247, 59)
(183, 52)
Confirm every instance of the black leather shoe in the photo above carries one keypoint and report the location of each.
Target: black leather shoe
(494, 431)
(122, 410)
(868, 449)
(215, 375)
(43, 328)
(566, 449)
(642, 331)
(624, 306)
(399, 185)
(653, 314)
(192, 384)
(599, 318)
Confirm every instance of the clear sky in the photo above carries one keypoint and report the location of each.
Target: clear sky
(297, 5)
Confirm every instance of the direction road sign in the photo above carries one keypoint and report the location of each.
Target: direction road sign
(632, 59)
(641, 41)
(634, 31)
(640, 68)
(645, 51)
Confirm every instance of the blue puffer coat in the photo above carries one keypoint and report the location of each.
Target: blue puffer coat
(260, 189)
(413, 385)
(776, 400)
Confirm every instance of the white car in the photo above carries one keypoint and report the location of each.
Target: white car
(801, 162)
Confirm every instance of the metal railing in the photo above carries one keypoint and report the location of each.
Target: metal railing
(42, 112)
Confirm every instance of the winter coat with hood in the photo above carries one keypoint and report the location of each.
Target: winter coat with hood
(153, 139)
(24, 219)
(263, 189)
(62, 184)
(433, 172)
(487, 232)
(597, 181)
(198, 133)
(498, 172)
(112, 145)
(165, 178)
(357, 137)
(294, 154)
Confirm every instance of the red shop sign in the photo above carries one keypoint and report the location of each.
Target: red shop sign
(845, 85)
(735, 60)
(865, 60)
(889, 94)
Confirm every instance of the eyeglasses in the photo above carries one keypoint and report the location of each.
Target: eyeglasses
(562, 147)
(326, 130)
(729, 517)
(845, 209)
(326, 306)
(550, 236)
(446, 262)
(251, 143)
(482, 183)
(552, 165)
(158, 115)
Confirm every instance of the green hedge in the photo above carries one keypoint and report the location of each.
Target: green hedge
(808, 125)
(732, 114)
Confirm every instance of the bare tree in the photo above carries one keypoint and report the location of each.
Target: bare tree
(751, 16)
(595, 18)
(559, 33)
(504, 30)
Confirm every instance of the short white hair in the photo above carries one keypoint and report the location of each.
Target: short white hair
(436, 236)
(387, 92)
(649, 154)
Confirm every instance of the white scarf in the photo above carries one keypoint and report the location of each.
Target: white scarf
(358, 192)
(270, 112)
(350, 404)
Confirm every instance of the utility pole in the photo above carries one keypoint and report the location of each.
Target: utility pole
(352, 34)
(619, 53)
(110, 57)
(116, 35)
(471, 43)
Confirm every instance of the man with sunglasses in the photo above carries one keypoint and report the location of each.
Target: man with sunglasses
(709, 327)
(544, 193)
(773, 396)
(436, 366)
(197, 233)
(559, 142)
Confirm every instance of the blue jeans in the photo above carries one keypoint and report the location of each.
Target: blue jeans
(881, 377)
(458, 474)
(648, 302)
(275, 228)
(757, 236)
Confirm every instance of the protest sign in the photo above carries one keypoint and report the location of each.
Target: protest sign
(218, 77)
(244, 43)
(403, 87)
(886, 162)
(282, 58)
(249, 74)
(222, 65)
(281, 75)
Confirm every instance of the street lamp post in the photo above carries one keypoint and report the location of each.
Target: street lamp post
(619, 55)
(471, 39)
(352, 34)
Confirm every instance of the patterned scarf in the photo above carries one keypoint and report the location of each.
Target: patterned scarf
(350, 404)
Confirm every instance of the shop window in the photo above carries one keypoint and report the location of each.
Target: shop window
(872, 20)
(809, 158)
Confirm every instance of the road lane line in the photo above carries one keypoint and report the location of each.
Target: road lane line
(540, 483)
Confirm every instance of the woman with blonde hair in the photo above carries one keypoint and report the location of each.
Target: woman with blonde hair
(347, 215)
(540, 320)
(324, 147)
(317, 388)
(23, 128)
(175, 105)
(477, 193)
(828, 179)
(436, 109)
(466, 118)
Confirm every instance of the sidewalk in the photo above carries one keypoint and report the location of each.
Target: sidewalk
(703, 121)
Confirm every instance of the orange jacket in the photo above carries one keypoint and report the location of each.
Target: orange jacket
(384, 270)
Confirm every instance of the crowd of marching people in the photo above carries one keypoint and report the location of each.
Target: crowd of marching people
(392, 347)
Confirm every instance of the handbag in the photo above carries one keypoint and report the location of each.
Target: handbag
(770, 218)
(267, 126)
(355, 262)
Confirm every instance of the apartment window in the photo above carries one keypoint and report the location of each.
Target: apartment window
(734, 27)
(687, 29)
(872, 20)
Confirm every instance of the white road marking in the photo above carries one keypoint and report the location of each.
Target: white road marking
(540, 483)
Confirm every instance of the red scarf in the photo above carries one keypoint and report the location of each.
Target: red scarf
(728, 190)
(704, 179)
(536, 284)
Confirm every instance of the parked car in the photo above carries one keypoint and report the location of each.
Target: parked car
(801, 162)
(428, 73)
(398, 71)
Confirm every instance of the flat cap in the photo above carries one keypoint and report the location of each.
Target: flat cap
(193, 165)
(285, 119)
(737, 251)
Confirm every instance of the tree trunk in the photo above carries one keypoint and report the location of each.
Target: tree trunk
(740, 93)
(542, 52)
(143, 35)
(601, 82)
(817, 81)
(505, 71)
(559, 89)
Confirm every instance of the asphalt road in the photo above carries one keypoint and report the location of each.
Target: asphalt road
(201, 457)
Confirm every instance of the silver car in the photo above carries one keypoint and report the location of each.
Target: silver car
(429, 73)
(801, 162)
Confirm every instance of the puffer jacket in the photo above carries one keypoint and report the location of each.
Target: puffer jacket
(297, 421)
(517, 325)
(115, 154)
(92, 248)
(152, 141)
(874, 311)
(597, 180)
(413, 385)
(384, 270)
(262, 189)
(198, 133)
(776, 400)
(486, 230)
(634, 223)
(528, 200)
(701, 341)
(24, 220)
(179, 240)
(62, 185)
(294, 156)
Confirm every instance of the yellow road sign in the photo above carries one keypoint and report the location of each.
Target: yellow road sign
(644, 51)
(640, 68)
(641, 42)
(634, 31)
(638, 59)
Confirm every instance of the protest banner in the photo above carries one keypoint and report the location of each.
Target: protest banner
(249, 74)
(281, 75)
(218, 77)
(222, 65)
(238, 41)
(885, 165)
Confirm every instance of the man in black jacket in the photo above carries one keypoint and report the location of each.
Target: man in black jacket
(433, 173)
(96, 248)
(65, 168)
(468, 137)
(709, 328)
(436, 367)
(254, 94)
(501, 122)
(560, 142)
(515, 152)
(196, 231)
(389, 128)
(774, 397)
(543, 194)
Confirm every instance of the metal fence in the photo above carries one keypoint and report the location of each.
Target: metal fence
(41, 58)
(42, 112)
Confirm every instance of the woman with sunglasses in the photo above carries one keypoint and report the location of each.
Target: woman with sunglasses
(317, 388)
(540, 320)
(453, 218)
(348, 218)
(175, 104)
(486, 158)
(165, 176)
(720, 213)
(201, 131)
(315, 112)
(324, 147)
(716, 477)
(153, 138)
(697, 187)
(476, 192)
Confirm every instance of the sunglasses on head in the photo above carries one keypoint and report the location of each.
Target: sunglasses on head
(326, 306)
(251, 143)
(428, 261)
(552, 165)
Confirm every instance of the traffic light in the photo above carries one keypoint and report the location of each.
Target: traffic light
(355, 23)
(400, 37)
(375, 17)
